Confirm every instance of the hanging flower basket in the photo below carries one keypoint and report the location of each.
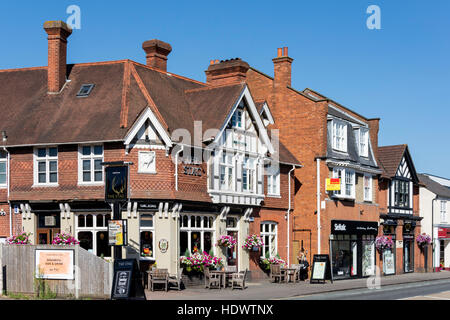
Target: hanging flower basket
(226, 242)
(253, 242)
(384, 242)
(423, 240)
(22, 239)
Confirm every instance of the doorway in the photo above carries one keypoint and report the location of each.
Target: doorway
(408, 255)
(48, 225)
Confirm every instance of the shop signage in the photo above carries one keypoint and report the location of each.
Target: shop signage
(354, 227)
(333, 184)
(148, 206)
(321, 269)
(443, 233)
(163, 245)
(54, 264)
(116, 185)
(50, 221)
(117, 232)
(192, 171)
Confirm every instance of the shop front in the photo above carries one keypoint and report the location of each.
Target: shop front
(352, 248)
(408, 246)
(388, 254)
(442, 251)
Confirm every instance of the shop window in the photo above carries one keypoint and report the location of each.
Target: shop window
(46, 166)
(92, 232)
(269, 236)
(86, 242)
(368, 255)
(196, 236)
(147, 237)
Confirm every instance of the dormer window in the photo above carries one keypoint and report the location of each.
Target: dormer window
(363, 142)
(85, 90)
(339, 135)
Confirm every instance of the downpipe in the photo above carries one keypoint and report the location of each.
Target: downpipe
(288, 217)
(8, 162)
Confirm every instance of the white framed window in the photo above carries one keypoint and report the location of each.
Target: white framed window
(273, 183)
(248, 174)
(147, 237)
(90, 170)
(368, 187)
(227, 172)
(3, 169)
(91, 230)
(347, 177)
(443, 211)
(197, 234)
(46, 166)
(364, 142)
(339, 135)
(237, 120)
(269, 236)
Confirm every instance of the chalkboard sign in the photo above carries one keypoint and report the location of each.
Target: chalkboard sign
(126, 282)
(321, 269)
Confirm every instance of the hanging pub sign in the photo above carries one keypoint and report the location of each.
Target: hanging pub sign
(117, 233)
(333, 184)
(116, 186)
(321, 269)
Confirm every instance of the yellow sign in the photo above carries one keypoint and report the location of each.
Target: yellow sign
(54, 264)
(333, 184)
(116, 232)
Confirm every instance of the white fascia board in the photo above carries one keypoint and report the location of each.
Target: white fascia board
(148, 114)
(365, 125)
(265, 109)
(259, 124)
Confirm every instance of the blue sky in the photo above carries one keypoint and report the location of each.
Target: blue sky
(400, 73)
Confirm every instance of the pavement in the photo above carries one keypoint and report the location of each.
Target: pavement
(266, 290)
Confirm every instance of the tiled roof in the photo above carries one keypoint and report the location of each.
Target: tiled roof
(434, 186)
(389, 157)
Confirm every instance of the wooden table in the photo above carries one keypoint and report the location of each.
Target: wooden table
(289, 272)
(224, 275)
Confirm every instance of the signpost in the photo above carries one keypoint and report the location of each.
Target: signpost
(321, 269)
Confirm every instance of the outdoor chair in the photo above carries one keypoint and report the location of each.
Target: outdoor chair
(296, 275)
(212, 279)
(228, 275)
(176, 279)
(158, 276)
(276, 273)
(238, 280)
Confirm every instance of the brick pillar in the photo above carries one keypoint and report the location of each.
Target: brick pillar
(156, 53)
(58, 32)
(282, 68)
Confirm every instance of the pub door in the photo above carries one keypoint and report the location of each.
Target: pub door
(45, 236)
(48, 225)
(232, 253)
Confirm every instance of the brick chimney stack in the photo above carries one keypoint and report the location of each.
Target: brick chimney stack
(58, 32)
(226, 72)
(282, 68)
(156, 53)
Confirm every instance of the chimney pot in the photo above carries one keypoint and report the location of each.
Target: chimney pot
(156, 53)
(58, 32)
(282, 68)
(280, 52)
(285, 51)
(227, 72)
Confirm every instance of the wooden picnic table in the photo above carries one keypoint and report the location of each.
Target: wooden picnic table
(224, 275)
(290, 272)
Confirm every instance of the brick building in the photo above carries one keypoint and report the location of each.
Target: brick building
(204, 161)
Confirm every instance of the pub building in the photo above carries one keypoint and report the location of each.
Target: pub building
(399, 212)
(202, 163)
(352, 248)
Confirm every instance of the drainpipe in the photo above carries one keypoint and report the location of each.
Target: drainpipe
(432, 231)
(318, 205)
(288, 219)
(176, 167)
(8, 161)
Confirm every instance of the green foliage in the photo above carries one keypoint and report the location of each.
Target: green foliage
(267, 254)
(43, 290)
(187, 253)
(211, 252)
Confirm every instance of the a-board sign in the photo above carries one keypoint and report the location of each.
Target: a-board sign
(321, 269)
(123, 279)
(116, 186)
(117, 233)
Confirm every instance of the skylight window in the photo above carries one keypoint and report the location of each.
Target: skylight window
(85, 90)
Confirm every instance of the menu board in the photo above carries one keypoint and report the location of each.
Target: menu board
(321, 269)
(54, 264)
(117, 232)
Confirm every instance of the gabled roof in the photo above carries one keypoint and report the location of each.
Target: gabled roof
(390, 158)
(434, 186)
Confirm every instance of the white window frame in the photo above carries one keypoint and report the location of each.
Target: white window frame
(250, 172)
(339, 130)
(92, 157)
(364, 142)
(4, 160)
(443, 211)
(224, 182)
(202, 229)
(272, 232)
(273, 184)
(238, 124)
(147, 229)
(47, 159)
(94, 229)
(343, 192)
(369, 195)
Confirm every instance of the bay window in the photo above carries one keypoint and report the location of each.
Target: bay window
(339, 135)
(46, 166)
(347, 178)
(90, 169)
(3, 169)
(401, 193)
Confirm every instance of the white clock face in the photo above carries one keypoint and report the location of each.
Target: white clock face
(147, 162)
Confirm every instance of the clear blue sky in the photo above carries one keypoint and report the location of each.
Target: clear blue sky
(400, 73)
